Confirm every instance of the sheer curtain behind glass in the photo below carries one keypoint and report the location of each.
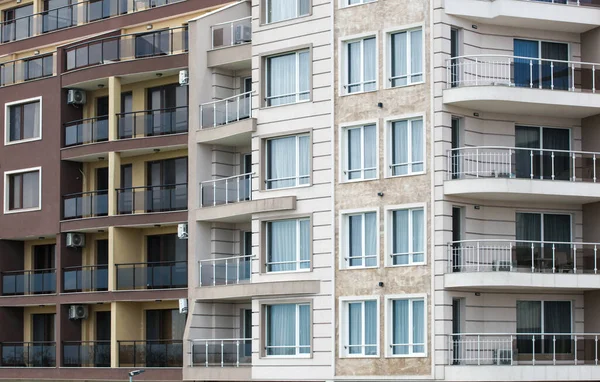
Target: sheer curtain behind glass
(417, 145)
(281, 162)
(418, 236)
(362, 327)
(281, 329)
(281, 241)
(355, 327)
(279, 10)
(400, 327)
(370, 63)
(418, 329)
(281, 77)
(407, 147)
(362, 227)
(361, 152)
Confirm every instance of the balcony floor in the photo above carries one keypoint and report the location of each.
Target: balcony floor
(519, 281)
(523, 373)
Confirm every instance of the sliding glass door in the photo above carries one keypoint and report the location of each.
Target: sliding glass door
(549, 319)
(538, 163)
(542, 241)
(541, 64)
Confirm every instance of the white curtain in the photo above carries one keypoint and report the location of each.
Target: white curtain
(355, 240)
(282, 245)
(31, 191)
(16, 192)
(303, 76)
(303, 160)
(15, 122)
(418, 237)
(281, 162)
(370, 64)
(353, 82)
(303, 7)
(370, 154)
(304, 243)
(370, 239)
(281, 79)
(278, 10)
(400, 148)
(355, 328)
(281, 329)
(417, 145)
(304, 328)
(400, 237)
(399, 60)
(370, 327)
(31, 120)
(416, 56)
(354, 164)
(418, 311)
(400, 327)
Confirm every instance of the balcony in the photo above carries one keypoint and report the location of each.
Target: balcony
(27, 69)
(515, 173)
(157, 353)
(85, 131)
(71, 15)
(522, 85)
(86, 354)
(28, 282)
(577, 16)
(233, 189)
(149, 199)
(518, 264)
(523, 356)
(231, 48)
(87, 278)
(225, 271)
(127, 47)
(85, 204)
(154, 275)
(149, 123)
(27, 354)
(227, 122)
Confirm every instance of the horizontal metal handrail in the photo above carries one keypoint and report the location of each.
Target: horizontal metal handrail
(224, 271)
(78, 121)
(95, 192)
(218, 113)
(221, 352)
(28, 271)
(27, 58)
(522, 58)
(77, 45)
(232, 189)
(228, 98)
(149, 187)
(157, 263)
(167, 109)
(227, 37)
(77, 267)
(232, 21)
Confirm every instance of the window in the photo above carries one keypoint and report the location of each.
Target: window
(407, 141)
(38, 67)
(288, 78)
(406, 57)
(288, 161)
(408, 237)
(280, 10)
(288, 330)
(361, 65)
(360, 149)
(22, 190)
(23, 121)
(408, 327)
(348, 3)
(544, 317)
(360, 241)
(288, 245)
(360, 328)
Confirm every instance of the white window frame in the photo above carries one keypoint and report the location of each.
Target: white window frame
(7, 106)
(344, 150)
(7, 190)
(389, 321)
(389, 234)
(345, 328)
(297, 175)
(390, 145)
(344, 83)
(298, 259)
(297, 91)
(297, 334)
(297, 15)
(389, 54)
(345, 3)
(345, 236)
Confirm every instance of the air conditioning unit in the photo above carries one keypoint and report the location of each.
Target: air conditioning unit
(503, 357)
(75, 240)
(184, 78)
(182, 230)
(78, 312)
(183, 305)
(243, 33)
(76, 97)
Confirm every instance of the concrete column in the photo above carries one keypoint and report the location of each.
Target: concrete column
(114, 181)
(114, 106)
(114, 346)
(112, 271)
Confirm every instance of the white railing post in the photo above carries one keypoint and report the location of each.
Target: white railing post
(214, 184)
(214, 115)
(574, 259)
(206, 353)
(476, 67)
(595, 259)
(533, 350)
(554, 349)
(238, 108)
(596, 350)
(573, 75)
(575, 338)
(214, 267)
(532, 258)
(237, 273)
(238, 188)
(531, 74)
(478, 257)
(531, 164)
(551, 75)
(226, 271)
(594, 166)
(477, 162)
(553, 258)
(573, 156)
(511, 350)
(200, 272)
(201, 117)
(237, 357)
(552, 160)
(593, 75)
(222, 353)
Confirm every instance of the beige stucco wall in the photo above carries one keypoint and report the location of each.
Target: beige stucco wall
(28, 311)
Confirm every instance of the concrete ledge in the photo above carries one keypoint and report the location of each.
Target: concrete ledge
(217, 373)
(232, 134)
(231, 57)
(522, 373)
(521, 280)
(254, 290)
(242, 211)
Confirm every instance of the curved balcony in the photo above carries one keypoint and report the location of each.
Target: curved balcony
(523, 356)
(228, 121)
(517, 264)
(517, 173)
(523, 85)
(576, 16)
(85, 131)
(27, 69)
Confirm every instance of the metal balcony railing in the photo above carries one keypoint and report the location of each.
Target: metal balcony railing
(28, 354)
(154, 122)
(234, 189)
(28, 282)
(234, 352)
(524, 72)
(231, 33)
(88, 130)
(147, 199)
(486, 349)
(27, 69)
(523, 256)
(86, 204)
(585, 3)
(522, 163)
(157, 353)
(154, 275)
(86, 353)
(225, 271)
(87, 278)
(225, 111)
(127, 47)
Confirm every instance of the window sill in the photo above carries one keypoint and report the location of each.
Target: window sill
(303, 270)
(360, 356)
(8, 212)
(356, 5)
(285, 22)
(265, 107)
(405, 265)
(359, 180)
(346, 94)
(286, 188)
(10, 143)
(419, 355)
(405, 86)
(358, 268)
(406, 175)
(298, 356)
